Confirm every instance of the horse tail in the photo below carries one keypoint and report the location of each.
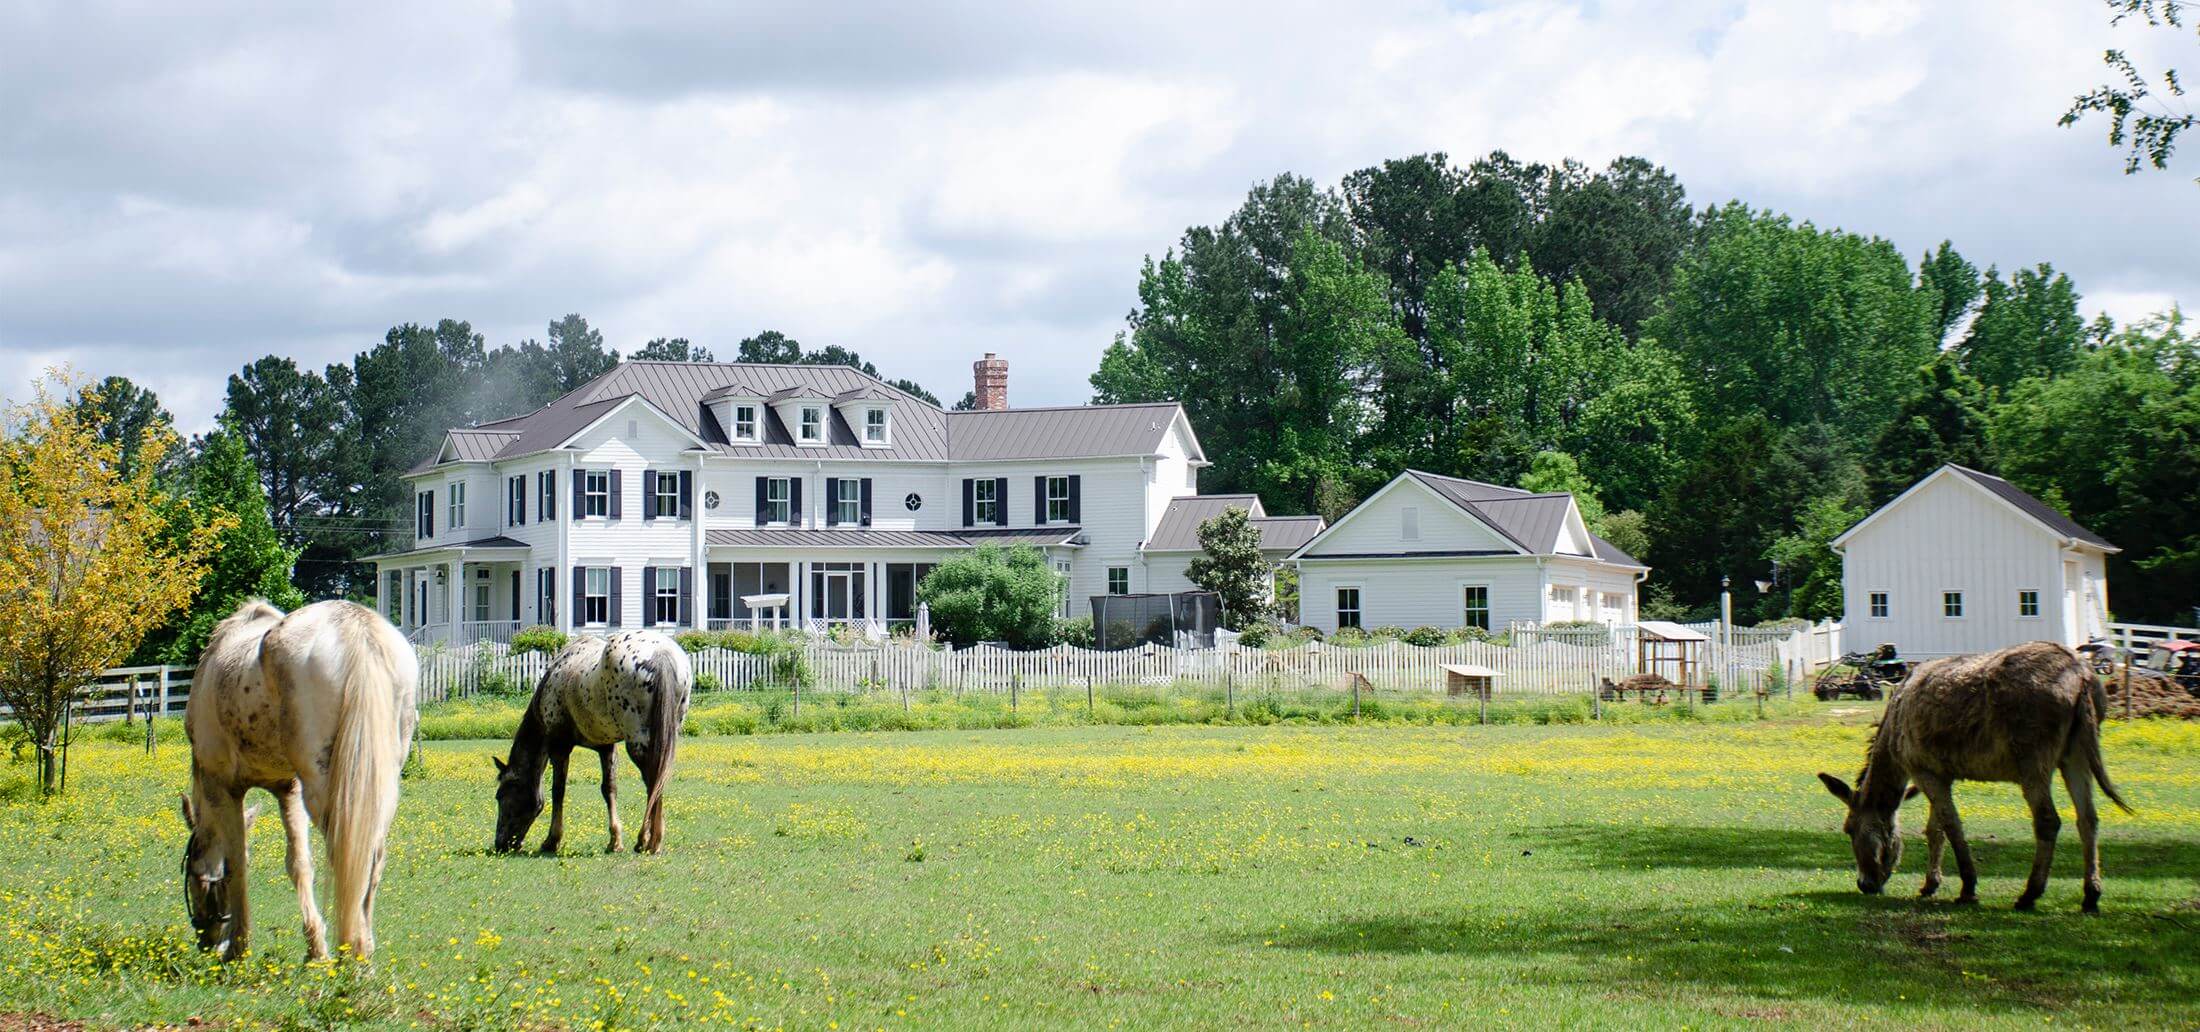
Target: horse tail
(668, 695)
(366, 757)
(2085, 731)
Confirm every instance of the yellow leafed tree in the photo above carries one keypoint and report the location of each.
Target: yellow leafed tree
(91, 559)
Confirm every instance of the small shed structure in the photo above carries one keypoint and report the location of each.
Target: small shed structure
(1470, 679)
(1671, 651)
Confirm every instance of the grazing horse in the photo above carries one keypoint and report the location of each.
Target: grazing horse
(2018, 715)
(632, 688)
(315, 707)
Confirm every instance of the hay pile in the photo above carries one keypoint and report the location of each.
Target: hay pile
(2152, 695)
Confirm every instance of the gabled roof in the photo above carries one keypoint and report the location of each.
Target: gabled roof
(1531, 522)
(2046, 516)
(922, 431)
(1178, 529)
(467, 445)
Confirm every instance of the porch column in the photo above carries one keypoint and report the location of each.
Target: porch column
(458, 598)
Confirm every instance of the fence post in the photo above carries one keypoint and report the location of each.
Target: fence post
(148, 736)
(797, 698)
(2127, 686)
(1596, 699)
(1229, 695)
(1088, 696)
(1015, 682)
(1485, 694)
(1356, 679)
(162, 707)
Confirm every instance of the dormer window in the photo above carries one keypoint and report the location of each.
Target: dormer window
(874, 426)
(744, 423)
(812, 425)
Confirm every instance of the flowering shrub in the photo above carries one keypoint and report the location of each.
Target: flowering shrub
(538, 638)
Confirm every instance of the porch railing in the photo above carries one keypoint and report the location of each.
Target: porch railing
(499, 631)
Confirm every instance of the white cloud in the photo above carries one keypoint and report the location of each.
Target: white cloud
(182, 191)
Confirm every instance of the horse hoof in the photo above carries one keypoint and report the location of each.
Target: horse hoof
(1967, 899)
(1926, 891)
(2027, 903)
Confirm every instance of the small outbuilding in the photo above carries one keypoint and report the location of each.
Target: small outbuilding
(1964, 562)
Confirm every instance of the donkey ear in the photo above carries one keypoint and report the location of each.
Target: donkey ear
(190, 816)
(498, 762)
(1913, 793)
(251, 813)
(1838, 787)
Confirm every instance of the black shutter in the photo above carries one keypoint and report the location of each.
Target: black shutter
(794, 501)
(1038, 501)
(649, 596)
(580, 595)
(427, 513)
(970, 505)
(580, 493)
(515, 596)
(618, 603)
(687, 596)
(618, 494)
(866, 501)
(1000, 501)
(832, 501)
(649, 494)
(1076, 497)
(519, 488)
(761, 483)
(687, 494)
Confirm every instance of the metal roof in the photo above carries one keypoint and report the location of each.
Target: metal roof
(1667, 630)
(2046, 514)
(498, 542)
(1525, 518)
(1178, 530)
(793, 537)
(921, 431)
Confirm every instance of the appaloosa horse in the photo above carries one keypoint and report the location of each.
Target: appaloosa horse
(633, 688)
(2018, 715)
(316, 708)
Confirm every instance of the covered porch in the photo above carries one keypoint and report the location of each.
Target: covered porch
(455, 594)
(816, 581)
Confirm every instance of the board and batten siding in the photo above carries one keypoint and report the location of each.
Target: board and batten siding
(1951, 536)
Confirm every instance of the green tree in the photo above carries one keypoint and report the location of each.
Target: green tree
(577, 353)
(2028, 326)
(1620, 233)
(1944, 420)
(1719, 514)
(1231, 565)
(124, 412)
(674, 349)
(2143, 120)
(1809, 569)
(286, 418)
(992, 593)
(770, 347)
(249, 559)
(1553, 472)
(1954, 284)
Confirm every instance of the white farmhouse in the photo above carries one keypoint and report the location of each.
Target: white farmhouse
(667, 493)
(1964, 562)
(1428, 550)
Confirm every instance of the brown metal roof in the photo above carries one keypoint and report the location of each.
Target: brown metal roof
(921, 431)
(1178, 529)
(1529, 520)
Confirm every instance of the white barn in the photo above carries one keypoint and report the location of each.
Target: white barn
(1437, 551)
(1966, 562)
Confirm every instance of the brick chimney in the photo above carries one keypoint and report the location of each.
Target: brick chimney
(992, 382)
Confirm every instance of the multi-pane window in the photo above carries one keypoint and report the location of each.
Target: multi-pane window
(546, 595)
(985, 500)
(874, 426)
(458, 504)
(1061, 570)
(813, 423)
(848, 507)
(1879, 607)
(481, 596)
(778, 500)
(546, 495)
(1562, 601)
(665, 595)
(744, 422)
(668, 494)
(2028, 602)
(424, 521)
(596, 492)
(1475, 606)
(1057, 500)
(515, 501)
(1119, 580)
(1951, 603)
(1348, 608)
(596, 596)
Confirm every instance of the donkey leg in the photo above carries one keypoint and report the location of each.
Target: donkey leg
(1942, 796)
(298, 856)
(2078, 780)
(611, 797)
(1935, 839)
(558, 760)
(2046, 824)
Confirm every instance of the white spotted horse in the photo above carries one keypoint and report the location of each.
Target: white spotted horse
(632, 687)
(316, 708)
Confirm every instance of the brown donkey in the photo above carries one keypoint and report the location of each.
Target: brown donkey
(2017, 715)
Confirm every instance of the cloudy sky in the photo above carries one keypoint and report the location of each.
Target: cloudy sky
(182, 192)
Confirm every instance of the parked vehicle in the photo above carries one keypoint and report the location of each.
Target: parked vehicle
(2102, 655)
(2178, 660)
(1870, 675)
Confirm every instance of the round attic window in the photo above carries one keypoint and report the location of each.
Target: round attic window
(710, 499)
(915, 501)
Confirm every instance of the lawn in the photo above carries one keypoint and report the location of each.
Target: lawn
(1654, 875)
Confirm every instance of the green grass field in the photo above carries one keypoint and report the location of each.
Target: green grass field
(1654, 875)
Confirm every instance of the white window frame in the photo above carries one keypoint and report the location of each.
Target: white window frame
(424, 514)
(1409, 523)
(1054, 499)
(546, 489)
(746, 423)
(1878, 606)
(595, 595)
(457, 506)
(1358, 610)
(484, 588)
(595, 494)
(1118, 574)
(848, 508)
(1466, 611)
(810, 424)
(875, 427)
(984, 501)
(1951, 605)
(1062, 569)
(515, 495)
(666, 590)
(779, 511)
(667, 488)
(2033, 600)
